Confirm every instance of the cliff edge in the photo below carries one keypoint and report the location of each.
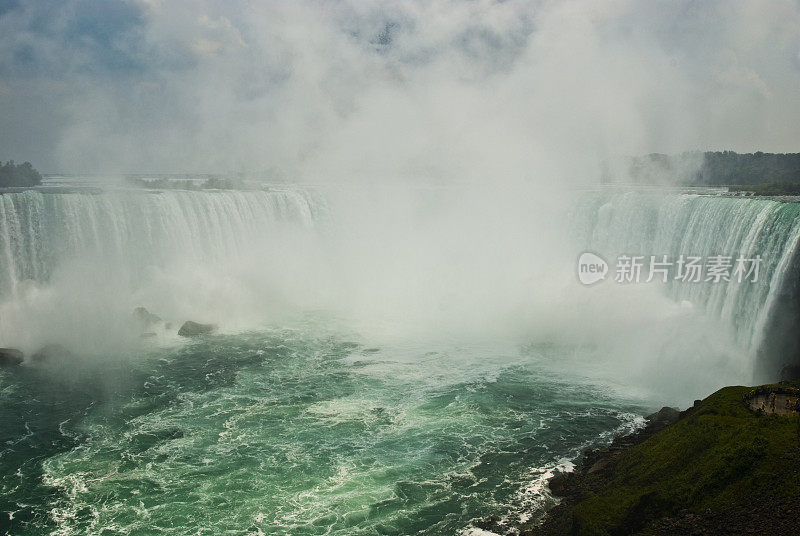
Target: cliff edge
(716, 468)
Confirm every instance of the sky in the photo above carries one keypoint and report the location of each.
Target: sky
(331, 90)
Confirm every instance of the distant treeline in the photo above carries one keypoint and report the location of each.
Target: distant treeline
(768, 188)
(724, 168)
(211, 183)
(12, 174)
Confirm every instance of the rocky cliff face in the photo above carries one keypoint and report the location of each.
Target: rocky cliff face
(716, 468)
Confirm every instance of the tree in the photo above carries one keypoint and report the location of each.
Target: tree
(19, 175)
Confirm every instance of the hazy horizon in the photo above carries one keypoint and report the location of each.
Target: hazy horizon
(490, 91)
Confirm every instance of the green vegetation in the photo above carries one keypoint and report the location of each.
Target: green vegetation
(18, 175)
(721, 168)
(719, 464)
(768, 188)
(729, 168)
(211, 183)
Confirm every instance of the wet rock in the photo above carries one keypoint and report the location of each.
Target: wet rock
(599, 465)
(193, 329)
(665, 415)
(145, 318)
(10, 357)
(50, 352)
(558, 484)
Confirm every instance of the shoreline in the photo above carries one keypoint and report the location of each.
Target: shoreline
(718, 467)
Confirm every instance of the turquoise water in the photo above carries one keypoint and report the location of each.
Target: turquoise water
(305, 430)
(351, 421)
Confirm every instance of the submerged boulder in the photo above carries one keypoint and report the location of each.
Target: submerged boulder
(145, 318)
(49, 352)
(10, 357)
(193, 329)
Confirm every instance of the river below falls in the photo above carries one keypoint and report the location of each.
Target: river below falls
(302, 430)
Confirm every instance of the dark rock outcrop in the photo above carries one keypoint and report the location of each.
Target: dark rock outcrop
(50, 352)
(716, 468)
(145, 318)
(10, 357)
(194, 329)
(663, 417)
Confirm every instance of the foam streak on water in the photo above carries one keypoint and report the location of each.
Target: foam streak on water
(307, 425)
(303, 432)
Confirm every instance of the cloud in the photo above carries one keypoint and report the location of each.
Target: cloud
(479, 90)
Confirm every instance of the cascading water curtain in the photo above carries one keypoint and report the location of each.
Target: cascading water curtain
(136, 229)
(657, 224)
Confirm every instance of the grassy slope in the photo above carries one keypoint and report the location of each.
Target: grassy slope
(719, 458)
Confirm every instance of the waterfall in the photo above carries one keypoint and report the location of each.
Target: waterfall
(646, 224)
(135, 229)
(75, 263)
(233, 253)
